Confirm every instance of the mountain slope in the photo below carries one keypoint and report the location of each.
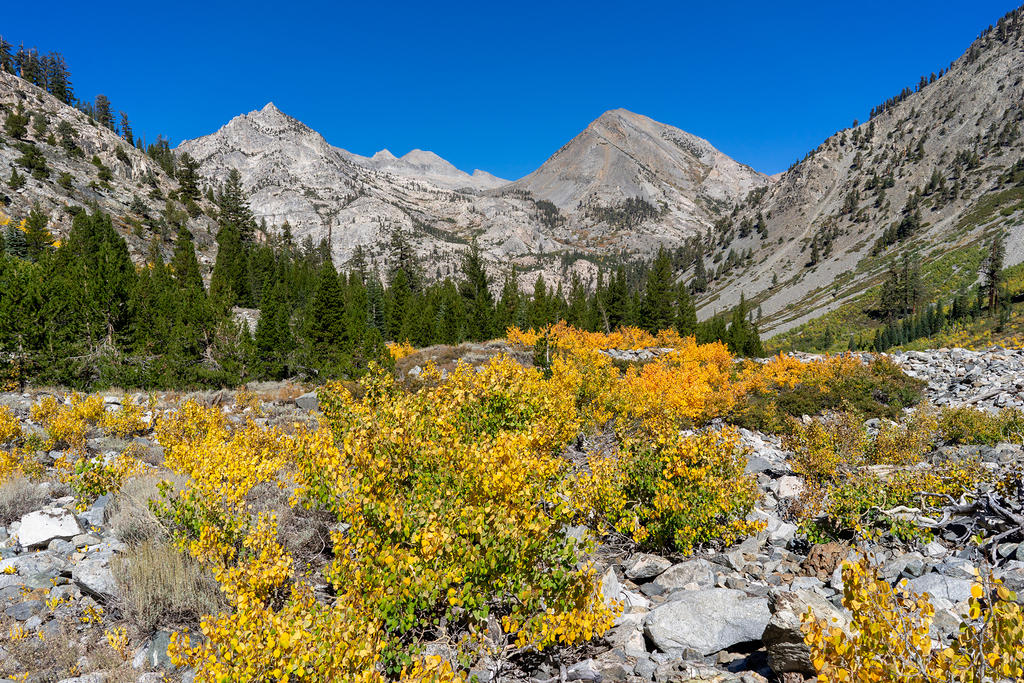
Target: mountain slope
(672, 188)
(941, 151)
(623, 155)
(91, 168)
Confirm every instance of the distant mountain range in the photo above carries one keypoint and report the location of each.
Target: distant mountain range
(926, 176)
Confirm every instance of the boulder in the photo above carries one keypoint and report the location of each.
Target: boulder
(789, 487)
(308, 402)
(94, 577)
(42, 526)
(707, 621)
(782, 636)
(939, 586)
(644, 567)
(697, 573)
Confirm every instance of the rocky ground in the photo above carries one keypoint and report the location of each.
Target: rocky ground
(732, 615)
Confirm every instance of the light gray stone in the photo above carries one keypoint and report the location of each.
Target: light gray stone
(698, 573)
(940, 586)
(94, 577)
(42, 526)
(707, 621)
(644, 567)
(308, 402)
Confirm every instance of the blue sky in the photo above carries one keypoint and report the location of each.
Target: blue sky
(501, 86)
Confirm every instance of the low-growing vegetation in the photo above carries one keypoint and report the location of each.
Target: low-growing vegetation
(464, 509)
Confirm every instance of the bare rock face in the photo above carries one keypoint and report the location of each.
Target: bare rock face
(707, 621)
(948, 143)
(623, 155)
(42, 526)
(576, 202)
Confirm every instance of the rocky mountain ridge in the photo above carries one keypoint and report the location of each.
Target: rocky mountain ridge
(90, 167)
(627, 184)
(933, 160)
(928, 176)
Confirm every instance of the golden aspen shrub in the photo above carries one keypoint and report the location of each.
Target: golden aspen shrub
(889, 639)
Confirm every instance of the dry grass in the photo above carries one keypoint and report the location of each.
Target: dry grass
(164, 587)
(18, 497)
(129, 515)
(304, 533)
(52, 658)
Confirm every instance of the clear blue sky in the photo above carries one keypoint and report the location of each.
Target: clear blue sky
(501, 86)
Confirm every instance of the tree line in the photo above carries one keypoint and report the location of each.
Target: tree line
(82, 314)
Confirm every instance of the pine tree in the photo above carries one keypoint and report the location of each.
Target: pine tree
(126, 129)
(184, 264)
(234, 208)
(273, 341)
(6, 60)
(686, 312)
(700, 276)
(539, 315)
(16, 122)
(578, 313)
(657, 310)
(509, 310)
(992, 272)
(475, 291)
(16, 245)
(187, 174)
(229, 282)
(403, 258)
(103, 112)
(325, 324)
(37, 238)
(617, 301)
(17, 180)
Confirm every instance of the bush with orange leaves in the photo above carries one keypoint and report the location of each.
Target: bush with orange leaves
(452, 503)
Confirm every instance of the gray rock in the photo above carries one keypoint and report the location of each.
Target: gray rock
(611, 589)
(789, 487)
(628, 635)
(93, 577)
(697, 573)
(644, 567)
(42, 526)
(308, 402)
(22, 611)
(783, 637)
(940, 586)
(44, 564)
(153, 655)
(707, 621)
(586, 670)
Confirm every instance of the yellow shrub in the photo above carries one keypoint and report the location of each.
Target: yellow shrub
(124, 422)
(689, 386)
(967, 425)
(10, 428)
(248, 399)
(678, 493)
(888, 638)
(68, 425)
(852, 476)
(94, 477)
(400, 350)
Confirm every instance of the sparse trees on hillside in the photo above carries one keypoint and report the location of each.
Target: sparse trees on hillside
(103, 113)
(992, 272)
